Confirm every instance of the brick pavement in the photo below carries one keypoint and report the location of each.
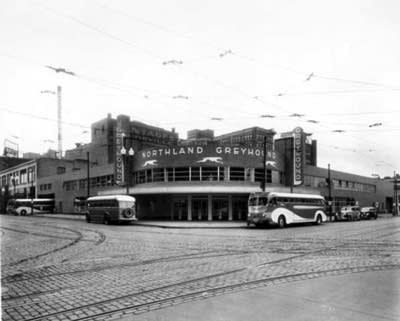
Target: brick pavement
(64, 270)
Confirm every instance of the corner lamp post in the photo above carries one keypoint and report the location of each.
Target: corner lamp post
(131, 153)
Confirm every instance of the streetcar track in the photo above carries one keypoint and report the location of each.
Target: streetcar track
(215, 290)
(340, 246)
(40, 234)
(34, 257)
(197, 279)
(194, 257)
(20, 277)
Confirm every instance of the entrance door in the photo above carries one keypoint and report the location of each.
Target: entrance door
(220, 209)
(180, 209)
(239, 209)
(200, 209)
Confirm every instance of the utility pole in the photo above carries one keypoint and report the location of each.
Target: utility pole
(59, 121)
(88, 174)
(32, 195)
(396, 197)
(329, 192)
(264, 165)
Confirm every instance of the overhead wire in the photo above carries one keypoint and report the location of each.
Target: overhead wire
(202, 75)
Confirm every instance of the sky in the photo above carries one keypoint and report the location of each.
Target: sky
(219, 65)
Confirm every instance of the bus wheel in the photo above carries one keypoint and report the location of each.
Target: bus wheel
(281, 221)
(23, 212)
(319, 220)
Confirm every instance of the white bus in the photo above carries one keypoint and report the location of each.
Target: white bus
(28, 206)
(111, 209)
(285, 208)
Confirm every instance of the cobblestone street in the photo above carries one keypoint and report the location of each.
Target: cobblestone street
(63, 269)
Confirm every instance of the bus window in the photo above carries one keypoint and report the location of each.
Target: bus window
(262, 201)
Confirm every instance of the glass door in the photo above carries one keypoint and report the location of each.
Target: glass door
(200, 209)
(239, 209)
(220, 209)
(180, 209)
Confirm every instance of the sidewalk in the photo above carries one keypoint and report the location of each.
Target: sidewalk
(183, 224)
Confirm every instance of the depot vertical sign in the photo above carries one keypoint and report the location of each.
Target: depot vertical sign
(298, 156)
(119, 164)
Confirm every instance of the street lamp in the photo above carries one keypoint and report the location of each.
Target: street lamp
(125, 156)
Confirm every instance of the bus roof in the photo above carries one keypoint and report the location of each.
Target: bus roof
(126, 198)
(32, 199)
(288, 195)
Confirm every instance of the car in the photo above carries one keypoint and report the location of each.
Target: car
(369, 212)
(349, 213)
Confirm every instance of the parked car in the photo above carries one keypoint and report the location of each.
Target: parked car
(369, 212)
(349, 213)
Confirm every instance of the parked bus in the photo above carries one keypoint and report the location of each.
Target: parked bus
(28, 206)
(285, 208)
(111, 209)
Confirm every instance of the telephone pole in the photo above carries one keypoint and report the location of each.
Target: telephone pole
(264, 165)
(396, 196)
(88, 175)
(59, 121)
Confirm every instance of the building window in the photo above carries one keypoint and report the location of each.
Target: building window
(209, 173)
(23, 176)
(158, 175)
(258, 174)
(236, 174)
(149, 176)
(195, 173)
(142, 177)
(82, 184)
(182, 174)
(170, 174)
(269, 176)
(110, 180)
(60, 170)
(221, 173)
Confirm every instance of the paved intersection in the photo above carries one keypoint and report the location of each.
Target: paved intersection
(55, 269)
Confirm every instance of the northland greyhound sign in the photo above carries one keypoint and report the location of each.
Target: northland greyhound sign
(298, 156)
(208, 155)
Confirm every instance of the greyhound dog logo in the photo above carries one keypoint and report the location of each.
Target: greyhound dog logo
(211, 159)
(270, 163)
(152, 162)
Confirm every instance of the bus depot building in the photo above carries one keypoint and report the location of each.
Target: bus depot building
(201, 178)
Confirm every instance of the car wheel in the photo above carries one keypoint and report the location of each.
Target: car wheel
(23, 213)
(319, 220)
(106, 220)
(88, 218)
(281, 221)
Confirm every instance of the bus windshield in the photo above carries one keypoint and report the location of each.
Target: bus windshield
(258, 201)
